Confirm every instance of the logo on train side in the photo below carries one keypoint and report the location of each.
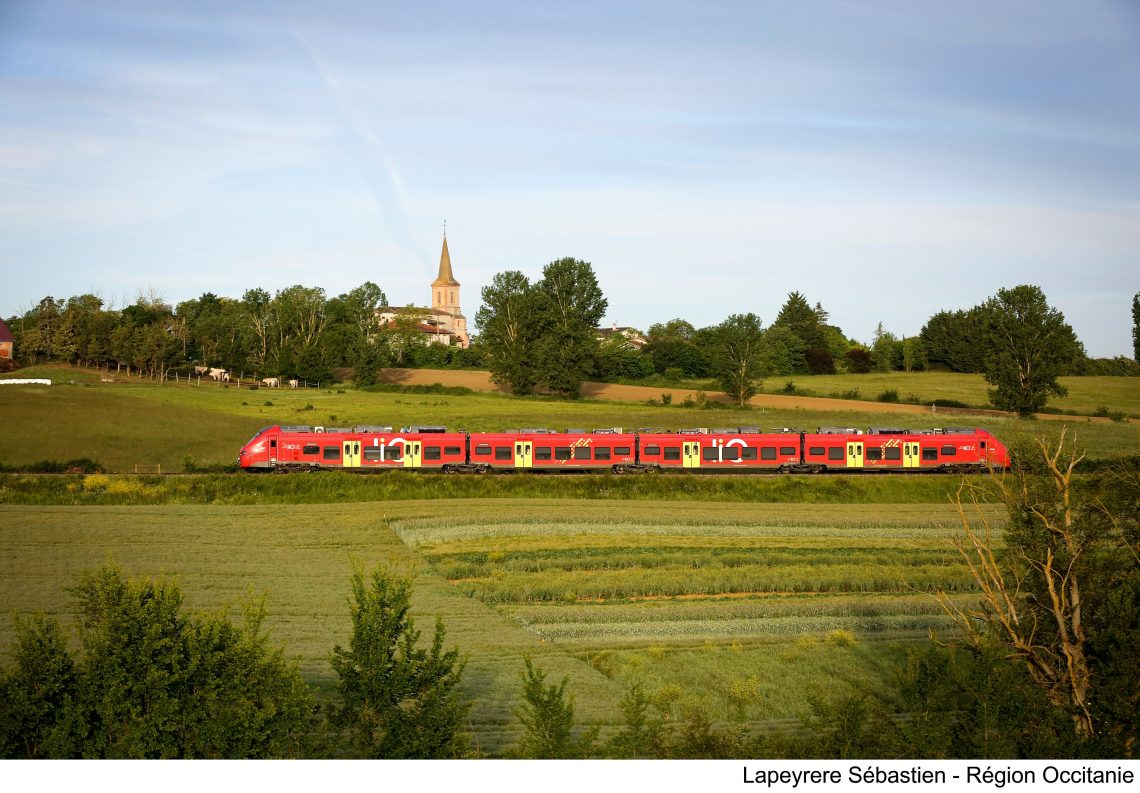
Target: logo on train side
(719, 445)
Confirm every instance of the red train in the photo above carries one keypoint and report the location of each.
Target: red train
(733, 450)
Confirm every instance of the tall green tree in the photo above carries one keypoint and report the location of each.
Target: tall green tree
(954, 340)
(509, 331)
(673, 345)
(1029, 345)
(1136, 327)
(737, 351)
(570, 306)
(398, 699)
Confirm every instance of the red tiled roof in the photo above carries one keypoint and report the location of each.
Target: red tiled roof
(5, 334)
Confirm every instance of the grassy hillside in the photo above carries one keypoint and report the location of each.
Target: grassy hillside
(125, 424)
(1086, 394)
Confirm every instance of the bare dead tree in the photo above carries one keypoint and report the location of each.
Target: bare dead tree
(1011, 609)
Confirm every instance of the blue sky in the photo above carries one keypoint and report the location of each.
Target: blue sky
(887, 159)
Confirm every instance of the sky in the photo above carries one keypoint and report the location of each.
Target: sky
(887, 159)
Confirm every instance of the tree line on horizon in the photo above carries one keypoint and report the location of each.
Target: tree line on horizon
(544, 335)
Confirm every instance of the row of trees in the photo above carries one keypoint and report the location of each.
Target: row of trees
(544, 335)
(297, 332)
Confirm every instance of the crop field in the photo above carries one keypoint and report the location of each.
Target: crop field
(744, 609)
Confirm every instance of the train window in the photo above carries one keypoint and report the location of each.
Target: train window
(709, 454)
(395, 453)
(563, 453)
(654, 449)
(503, 453)
(372, 454)
(768, 453)
(930, 454)
(836, 453)
(731, 453)
(451, 451)
(542, 452)
(983, 444)
(817, 451)
(673, 453)
(581, 452)
(748, 453)
(483, 448)
(627, 450)
(787, 450)
(949, 451)
(602, 453)
(432, 453)
(332, 453)
(892, 453)
(311, 448)
(873, 455)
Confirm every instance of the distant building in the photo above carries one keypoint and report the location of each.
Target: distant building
(634, 340)
(444, 322)
(7, 343)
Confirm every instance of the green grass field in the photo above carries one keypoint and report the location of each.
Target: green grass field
(744, 608)
(123, 425)
(1086, 394)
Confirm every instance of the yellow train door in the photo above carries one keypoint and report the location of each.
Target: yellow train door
(911, 454)
(691, 454)
(413, 454)
(524, 454)
(351, 454)
(854, 454)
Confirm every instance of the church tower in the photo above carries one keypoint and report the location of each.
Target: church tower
(445, 299)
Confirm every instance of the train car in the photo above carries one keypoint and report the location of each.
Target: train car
(901, 450)
(302, 448)
(739, 450)
(546, 450)
(729, 450)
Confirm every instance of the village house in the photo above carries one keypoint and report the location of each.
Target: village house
(7, 343)
(633, 338)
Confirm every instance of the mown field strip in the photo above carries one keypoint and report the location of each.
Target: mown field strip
(697, 601)
(300, 558)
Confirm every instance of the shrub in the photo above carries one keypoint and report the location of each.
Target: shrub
(889, 395)
(398, 700)
(150, 682)
(548, 716)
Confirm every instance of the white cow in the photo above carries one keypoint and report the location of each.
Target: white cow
(225, 377)
(216, 373)
(272, 382)
(293, 383)
(201, 370)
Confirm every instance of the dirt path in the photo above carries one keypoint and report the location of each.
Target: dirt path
(481, 381)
